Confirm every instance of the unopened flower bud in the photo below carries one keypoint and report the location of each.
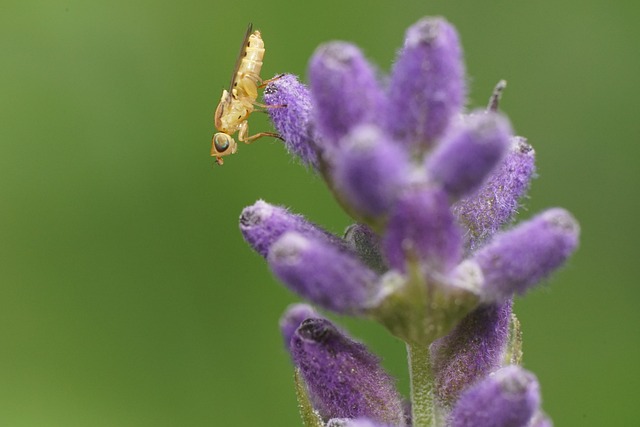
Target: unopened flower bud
(370, 170)
(508, 398)
(421, 227)
(427, 86)
(293, 317)
(463, 160)
(344, 90)
(323, 273)
(344, 380)
(496, 202)
(521, 257)
(262, 224)
(290, 113)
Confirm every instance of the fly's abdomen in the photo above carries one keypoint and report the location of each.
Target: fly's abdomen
(248, 75)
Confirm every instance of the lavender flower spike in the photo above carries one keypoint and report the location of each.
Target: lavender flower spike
(495, 204)
(370, 170)
(293, 317)
(344, 380)
(464, 159)
(508, 398)
(421, 227)
(262, 224)
(523, 256)
(471, 351)
(291, 115)
(324, 274)
(427, 83)
(344, 90)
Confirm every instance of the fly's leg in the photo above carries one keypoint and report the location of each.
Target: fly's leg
(243, 133)
(252, 138)
(267, 107)
(273, 79)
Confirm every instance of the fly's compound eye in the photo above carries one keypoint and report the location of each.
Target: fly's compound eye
(221, 142)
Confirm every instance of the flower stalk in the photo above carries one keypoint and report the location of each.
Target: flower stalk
(423, 411)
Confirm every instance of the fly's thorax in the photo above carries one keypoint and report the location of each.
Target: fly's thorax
(233, 114)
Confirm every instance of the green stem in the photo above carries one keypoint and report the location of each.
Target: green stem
(422, 403)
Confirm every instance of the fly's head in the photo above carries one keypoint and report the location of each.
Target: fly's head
(222, 145)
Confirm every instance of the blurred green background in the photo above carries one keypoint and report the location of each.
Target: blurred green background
(127, 294)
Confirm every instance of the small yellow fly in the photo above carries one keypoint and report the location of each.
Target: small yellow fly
(239, 101)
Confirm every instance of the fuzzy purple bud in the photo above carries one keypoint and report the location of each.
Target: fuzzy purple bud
(521, 257)
(291, 115)
(427, 83)
(344, 380)
(344, 90)
(323, 273)
(262, 224)
(421, 227)
(471, 351)
(497, 201)
(465, 158)
(293, 317)
(508, 398)
(370, 170)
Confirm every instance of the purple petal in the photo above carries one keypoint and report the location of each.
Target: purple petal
(343, 378)
(422, 227)
(292, 116)
(427, 83)
(471, 351)
(344, 90)
(370, 170)
(496, 203)
(465, 158)
(521, 257)
(508, 398)
(262, 224)
(323, 273)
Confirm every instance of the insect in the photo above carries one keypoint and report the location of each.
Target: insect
(239, 101)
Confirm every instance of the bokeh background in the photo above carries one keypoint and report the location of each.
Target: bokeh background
(127, 294)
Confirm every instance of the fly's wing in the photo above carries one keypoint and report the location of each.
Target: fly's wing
(241, 54)
(243, 48)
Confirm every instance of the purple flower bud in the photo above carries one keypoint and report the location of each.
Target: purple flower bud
(293, 317)
(422, 227)
(344, 90)
(323, 273)
(466, 157)
(471, 351)
(366, 243)
(496, 202)
(262, 224)
(508, 398)
(343, 378)
(291, 116)
(427, 83)
(521, 257)
(370, 170)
